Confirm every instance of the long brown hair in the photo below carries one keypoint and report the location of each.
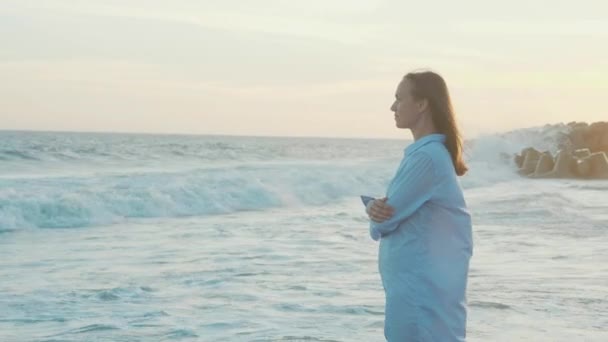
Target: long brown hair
(430, 86)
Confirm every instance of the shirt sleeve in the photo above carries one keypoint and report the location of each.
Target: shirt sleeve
(412, 187)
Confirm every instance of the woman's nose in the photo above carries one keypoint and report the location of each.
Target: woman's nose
(393, 107)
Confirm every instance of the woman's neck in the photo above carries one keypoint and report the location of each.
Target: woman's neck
(423, 131)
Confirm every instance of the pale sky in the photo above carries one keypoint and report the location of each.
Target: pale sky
(296, 68)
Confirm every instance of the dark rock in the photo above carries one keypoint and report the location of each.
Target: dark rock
(531, 159)
(599, 166)
(582, 154)
(545, 164)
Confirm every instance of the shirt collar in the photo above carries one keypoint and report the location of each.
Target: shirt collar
(436, 137)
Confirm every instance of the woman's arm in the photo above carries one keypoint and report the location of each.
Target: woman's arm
(411, 188)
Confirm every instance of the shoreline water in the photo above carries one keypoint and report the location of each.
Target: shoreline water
(276, 248)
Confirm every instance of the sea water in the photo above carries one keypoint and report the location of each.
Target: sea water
(126, 237)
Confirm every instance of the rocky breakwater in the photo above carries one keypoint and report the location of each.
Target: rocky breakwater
(582, 152)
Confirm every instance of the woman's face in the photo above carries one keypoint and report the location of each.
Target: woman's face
(407, 110)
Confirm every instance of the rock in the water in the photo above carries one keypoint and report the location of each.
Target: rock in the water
(531, 158)
(599, 165)
(582, 154)
(578, 137)
(598, 137)
(583, 167)
(545, 164)
(519, 160)
(564, 165)
(594, 136)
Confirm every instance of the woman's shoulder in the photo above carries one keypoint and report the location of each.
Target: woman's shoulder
(435, 150)
(435, 153)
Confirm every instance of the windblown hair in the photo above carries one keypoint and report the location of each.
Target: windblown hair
(432, 87)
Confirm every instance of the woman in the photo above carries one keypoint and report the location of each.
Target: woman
(423, 224)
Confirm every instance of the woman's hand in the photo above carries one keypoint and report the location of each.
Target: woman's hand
(378, 211)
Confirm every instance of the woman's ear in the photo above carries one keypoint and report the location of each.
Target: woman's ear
(423, 105)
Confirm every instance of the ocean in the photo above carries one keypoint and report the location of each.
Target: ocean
(134, 237)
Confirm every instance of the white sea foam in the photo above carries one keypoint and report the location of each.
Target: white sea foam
(84, 180)
(275, 244)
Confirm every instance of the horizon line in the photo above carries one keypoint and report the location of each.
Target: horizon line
(227, 135)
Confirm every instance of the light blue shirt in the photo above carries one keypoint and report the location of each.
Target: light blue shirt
(425, 247)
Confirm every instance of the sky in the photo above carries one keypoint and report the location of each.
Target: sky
(296, 68)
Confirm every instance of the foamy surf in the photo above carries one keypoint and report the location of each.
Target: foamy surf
(79, 180)
(266, 240)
